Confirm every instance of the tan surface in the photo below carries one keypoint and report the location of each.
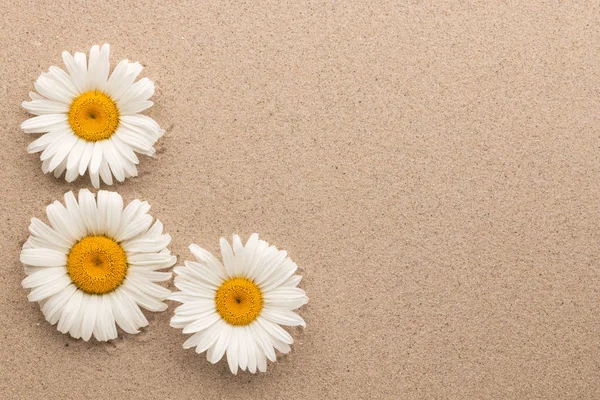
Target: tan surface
(434, 171)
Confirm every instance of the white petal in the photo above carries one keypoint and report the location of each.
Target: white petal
(238, 248)
(46, 234)
(147, 245)
(43, 258)
(121, 314)
(95, 179)
(152, 289)
(70, 311)
(131, 308)
(89, 211)
(144, 123)
(76, 69)
(89, 318)
(110, 208)
(86, 157)
(48, 289)
(60, 168)
(99, 66)
(152, 261)
(209, 336)
(133, 70)
(105, 173)
(198, 306)
(136, 141)
(124, 150)
(52, 90)
(78, 224)
(227, 255)
(216, 352)
(61, 221)
(292, 281)
(262, 253)
(249, 254)
(43, 276)
(43, 123)
(44, 141)
(270, 267)
(206, 320)
(211, 261)
(194, 288)
(263, 340)
(286, 297)
(282, 317)
(283, 347)
(252, 349)
(233, 351)
(142, 299)
(199, 275)
(135, 107)
(55, 146)
(280, 274)
(105, 328)
(140, 91)
(77, 324)
(242, 347)
(67, 143)
(40, 107)
(129, 213)
(275, 331)
(75, 155)
(64, 80)
(116, 80)
(53, 307)
(261, 361)
(96, 159)
(135, 228)
(35, 96)
(149, 275)
(113, 159)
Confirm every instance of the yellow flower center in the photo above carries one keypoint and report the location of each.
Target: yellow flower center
(94, 116)
(97, 264)
(239, 301)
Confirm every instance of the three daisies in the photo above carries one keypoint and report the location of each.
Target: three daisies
(99, 261)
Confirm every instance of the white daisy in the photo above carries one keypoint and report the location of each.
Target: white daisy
(238, 306)
(91, 120)
(96, 264)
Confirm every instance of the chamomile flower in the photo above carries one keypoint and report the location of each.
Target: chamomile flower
(90, 121)
(97, 264)
(236, 307)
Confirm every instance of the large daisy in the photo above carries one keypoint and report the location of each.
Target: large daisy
(96, 265)
(90, 120)
(237, 307)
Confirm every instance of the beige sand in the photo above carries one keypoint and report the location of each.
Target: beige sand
(433, 169)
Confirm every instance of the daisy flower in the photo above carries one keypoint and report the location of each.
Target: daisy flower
(90, 121)
(96, 265)
(237, 307)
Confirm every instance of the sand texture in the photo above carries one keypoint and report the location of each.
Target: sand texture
(431, 166)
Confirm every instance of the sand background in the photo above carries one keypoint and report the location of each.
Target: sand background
(431, 166)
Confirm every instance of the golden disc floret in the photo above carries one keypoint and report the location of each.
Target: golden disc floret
(94, 116)
(97, 264)
(239, 301)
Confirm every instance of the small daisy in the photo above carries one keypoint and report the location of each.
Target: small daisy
(237, 307)
(90, 121)
(96, 264)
